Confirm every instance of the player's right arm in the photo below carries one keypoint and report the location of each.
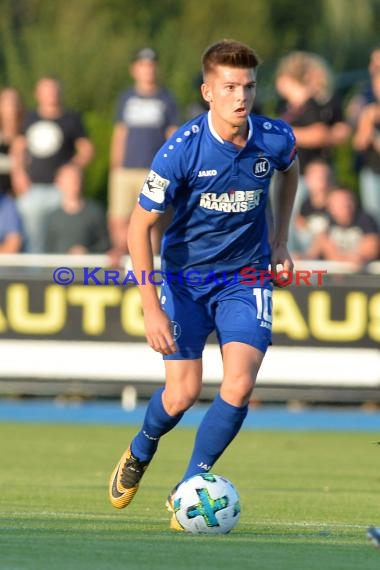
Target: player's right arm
(157, 325)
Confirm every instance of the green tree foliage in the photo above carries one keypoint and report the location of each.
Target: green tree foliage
(89, 43)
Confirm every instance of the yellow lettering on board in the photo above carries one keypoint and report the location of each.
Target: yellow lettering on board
(287, 317)
(374, 317)
(352, 327)
(132, 319)
(94, 301)
(20, 318)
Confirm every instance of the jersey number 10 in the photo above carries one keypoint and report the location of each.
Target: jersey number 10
(263, 303)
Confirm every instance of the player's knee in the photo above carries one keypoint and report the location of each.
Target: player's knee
(180, 402)
(238, 390)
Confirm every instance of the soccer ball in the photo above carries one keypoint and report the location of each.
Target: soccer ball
(207, 504)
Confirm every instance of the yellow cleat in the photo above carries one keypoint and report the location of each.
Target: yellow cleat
(174, 524)
(125, 479)
(169, 504)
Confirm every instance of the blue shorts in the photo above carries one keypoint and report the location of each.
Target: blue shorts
(237, 312)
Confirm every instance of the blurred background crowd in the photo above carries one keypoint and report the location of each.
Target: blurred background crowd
(90, 92)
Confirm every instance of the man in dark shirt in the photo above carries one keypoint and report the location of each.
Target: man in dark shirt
(51, 136)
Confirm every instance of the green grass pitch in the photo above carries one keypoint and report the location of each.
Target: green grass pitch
(307, 499)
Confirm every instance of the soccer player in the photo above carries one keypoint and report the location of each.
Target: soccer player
(215, 172)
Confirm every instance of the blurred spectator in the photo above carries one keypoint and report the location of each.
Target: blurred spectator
(146, 116)
(321, 79)
(11, 117)
(313, 217)
(367, 141)
(10, 225)
(79, 225)
(52, 136)
(352, 235)
(364, 93)
(299, 107)
(305, 83)
(311, 106)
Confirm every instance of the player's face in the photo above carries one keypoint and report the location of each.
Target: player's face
(230, 91)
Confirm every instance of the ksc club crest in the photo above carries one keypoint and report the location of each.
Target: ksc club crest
(261, 167)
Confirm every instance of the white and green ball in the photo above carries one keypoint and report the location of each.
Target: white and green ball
(207, 504)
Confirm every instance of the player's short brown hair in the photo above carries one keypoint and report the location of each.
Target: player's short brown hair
(230, 53)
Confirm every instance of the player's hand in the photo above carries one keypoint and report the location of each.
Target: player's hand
(283, 276)
(158, 331)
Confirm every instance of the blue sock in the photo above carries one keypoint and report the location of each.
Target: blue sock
(218, 428)
(157, 423)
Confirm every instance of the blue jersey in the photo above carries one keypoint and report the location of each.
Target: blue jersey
(219, 194)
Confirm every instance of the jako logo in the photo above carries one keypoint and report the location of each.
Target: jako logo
(207, 173)
(261, 167)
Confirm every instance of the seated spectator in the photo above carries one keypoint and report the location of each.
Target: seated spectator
(367, 141)
(79, 225)
(11, 238)
(352, 235)
(312, 218)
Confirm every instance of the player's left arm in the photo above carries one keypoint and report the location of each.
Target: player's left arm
(285, 187)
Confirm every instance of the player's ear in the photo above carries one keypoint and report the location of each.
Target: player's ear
(206, 92)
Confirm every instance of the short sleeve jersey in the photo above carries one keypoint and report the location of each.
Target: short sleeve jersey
(218, 193)
(147, 119)
(50, 143)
